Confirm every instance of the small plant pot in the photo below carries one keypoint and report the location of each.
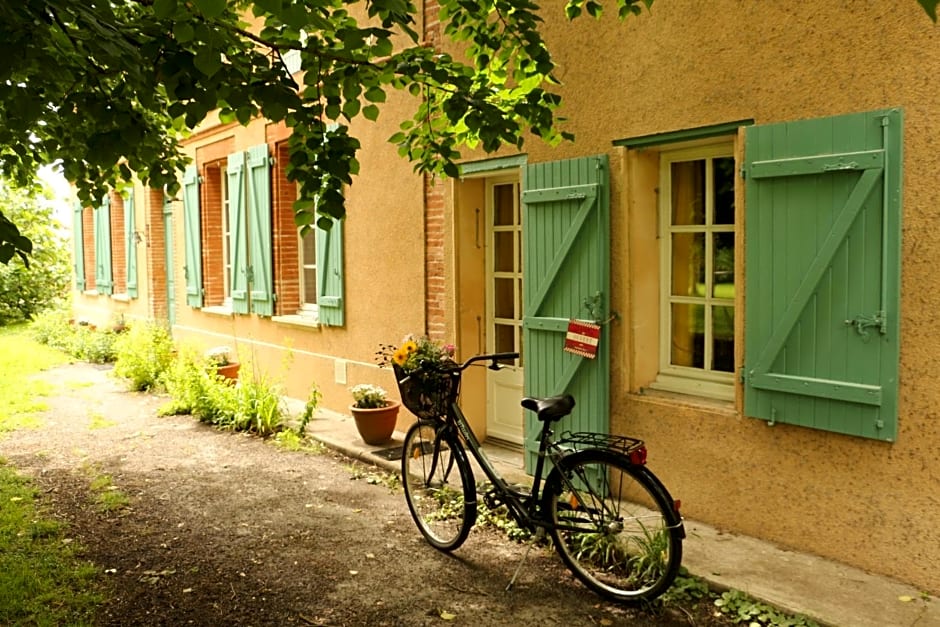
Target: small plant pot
(376, 425)
(229, 371)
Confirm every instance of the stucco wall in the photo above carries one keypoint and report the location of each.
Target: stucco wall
(384, 278)
(691, 64)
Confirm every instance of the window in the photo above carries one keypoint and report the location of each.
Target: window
(105, 247)
(308, 273)
(308, 268)
(241, 242)
(697, 244)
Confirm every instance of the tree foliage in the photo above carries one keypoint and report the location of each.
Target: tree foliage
(108, 89)
(26, 291)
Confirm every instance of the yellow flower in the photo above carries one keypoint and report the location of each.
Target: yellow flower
(410, 347)
(400, 356)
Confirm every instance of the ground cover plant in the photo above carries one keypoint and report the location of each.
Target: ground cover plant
(78, 338)
(42, 582)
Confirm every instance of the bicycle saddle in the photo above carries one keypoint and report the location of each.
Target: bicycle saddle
(551, 408)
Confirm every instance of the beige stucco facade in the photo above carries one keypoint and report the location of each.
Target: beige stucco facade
(685, 65)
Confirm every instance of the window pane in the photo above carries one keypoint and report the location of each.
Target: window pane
(688, 338)
(724, 190)
(723, 333)
(723, 265)
(688, 264)
(688, 192)
(502, 251)
(505, 339)
(310, 286)
(503, 298)
(503, 205)
(308, 263)
(309, 249)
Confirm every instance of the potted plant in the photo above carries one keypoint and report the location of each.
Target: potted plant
(220, 359)
(374, 413)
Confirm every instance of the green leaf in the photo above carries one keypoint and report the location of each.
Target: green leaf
(210, 8)
(370, 112)
(208, 61)
(164, 8)
(183, 31)
(375, 94)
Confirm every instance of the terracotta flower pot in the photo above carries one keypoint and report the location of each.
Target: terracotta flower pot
(229, 371)
(376, 425)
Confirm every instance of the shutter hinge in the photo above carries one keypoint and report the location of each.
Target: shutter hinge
(743, 172)
(743, 374)
(249, 275)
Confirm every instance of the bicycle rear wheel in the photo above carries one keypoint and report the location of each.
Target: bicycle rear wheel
(438, 484)
(614, 525)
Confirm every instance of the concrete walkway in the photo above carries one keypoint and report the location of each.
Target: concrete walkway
(828, 592)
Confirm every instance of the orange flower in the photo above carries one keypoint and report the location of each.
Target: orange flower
(410, 347)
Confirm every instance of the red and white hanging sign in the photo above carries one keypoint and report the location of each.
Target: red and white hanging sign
(582, 338)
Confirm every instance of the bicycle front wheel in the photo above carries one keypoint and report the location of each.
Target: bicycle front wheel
(438, 484)
(614, 525)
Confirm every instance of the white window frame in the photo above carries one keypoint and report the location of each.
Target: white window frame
(686, 379)
(307, 310)
(226, 240)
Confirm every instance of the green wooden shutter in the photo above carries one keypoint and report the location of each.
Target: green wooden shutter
(130, 246)
(78, 245)
(237, 234)
(330, 275)
(259, 230)
(566, 259)
(822, 293)
(192, 236)
(104, 280)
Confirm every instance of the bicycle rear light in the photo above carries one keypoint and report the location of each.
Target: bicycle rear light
(638, 456)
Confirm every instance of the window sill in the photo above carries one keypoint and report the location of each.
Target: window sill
(124, 298)
(218, 310)
(90, 293)
(712, 390)
(296, 320)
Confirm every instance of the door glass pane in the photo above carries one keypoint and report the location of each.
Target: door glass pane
(723, 265)
(505, 338)
(688, 264)
(723, 334)
(723, 173)
(504, 205)
(688, 192)
(503, 251)
(688, 337)
(503, 298)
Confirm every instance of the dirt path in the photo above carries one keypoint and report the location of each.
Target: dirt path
(225, 529)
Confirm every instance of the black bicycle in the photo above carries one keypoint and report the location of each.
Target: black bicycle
(610, 518)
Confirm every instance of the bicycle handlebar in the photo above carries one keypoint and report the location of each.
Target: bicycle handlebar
(493, 358)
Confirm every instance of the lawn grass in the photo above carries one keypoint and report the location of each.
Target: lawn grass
(42, 581)
(20, 394)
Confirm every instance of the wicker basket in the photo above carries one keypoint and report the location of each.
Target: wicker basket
(427, 393)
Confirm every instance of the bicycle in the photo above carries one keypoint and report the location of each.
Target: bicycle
(611, 520)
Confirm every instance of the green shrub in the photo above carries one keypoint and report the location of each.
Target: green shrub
(252, 404)
(52, 328)
(79, 339)
(143, 353)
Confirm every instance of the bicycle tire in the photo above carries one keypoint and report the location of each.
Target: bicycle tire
(443, 505)
(614, 525)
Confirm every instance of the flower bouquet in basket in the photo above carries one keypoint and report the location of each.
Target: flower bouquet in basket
(425, 372)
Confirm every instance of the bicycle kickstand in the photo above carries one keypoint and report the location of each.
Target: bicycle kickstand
(519, 567)
(539, 534)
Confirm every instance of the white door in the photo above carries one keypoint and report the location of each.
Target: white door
(504, 415)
